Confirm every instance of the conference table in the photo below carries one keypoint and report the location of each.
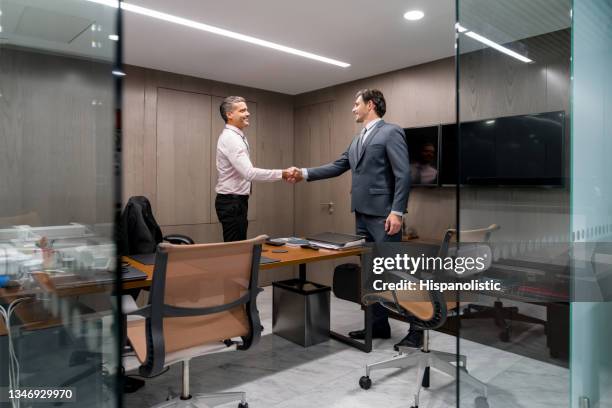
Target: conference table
(294, 256)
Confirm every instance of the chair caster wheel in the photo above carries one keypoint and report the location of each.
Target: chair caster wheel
(365, 382)
(481, 402)
(245, 405)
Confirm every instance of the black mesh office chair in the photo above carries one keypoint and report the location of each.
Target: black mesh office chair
(427, 310)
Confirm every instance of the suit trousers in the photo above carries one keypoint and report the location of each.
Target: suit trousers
(232, 212)
(373, 228)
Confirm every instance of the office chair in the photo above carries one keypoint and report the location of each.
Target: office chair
(427, 310)
(201, 295)
(498, 312)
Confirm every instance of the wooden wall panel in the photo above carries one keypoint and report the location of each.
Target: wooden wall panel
(133, 133)
(56, 130)
(217, 125)
(183, 149)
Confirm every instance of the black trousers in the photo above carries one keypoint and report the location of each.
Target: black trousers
(232, 212)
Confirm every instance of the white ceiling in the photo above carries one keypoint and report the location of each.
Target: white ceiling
(370, 35)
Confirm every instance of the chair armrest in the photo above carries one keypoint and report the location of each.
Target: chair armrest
(179, 239)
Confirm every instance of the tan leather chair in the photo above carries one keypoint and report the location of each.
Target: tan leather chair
(201, 296)
(428, 310)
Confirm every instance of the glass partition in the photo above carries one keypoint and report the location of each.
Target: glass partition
(513, 148)
(591, 198)
(59, 337)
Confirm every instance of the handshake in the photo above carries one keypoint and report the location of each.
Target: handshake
(293, 175)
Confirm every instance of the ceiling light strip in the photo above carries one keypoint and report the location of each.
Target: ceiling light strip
(491, 44)
(498, 47)
(219, 31)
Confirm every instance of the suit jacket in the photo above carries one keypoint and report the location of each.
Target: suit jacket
(381, 174)
(139, 233)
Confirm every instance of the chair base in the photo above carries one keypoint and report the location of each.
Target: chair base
(501, 315)
(205, 400)
(186, 400)
(426, 360)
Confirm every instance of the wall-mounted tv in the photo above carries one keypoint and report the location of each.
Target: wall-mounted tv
(525, 150)
(423, 154)
(448, 154)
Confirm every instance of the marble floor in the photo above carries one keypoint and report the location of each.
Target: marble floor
(277, 373)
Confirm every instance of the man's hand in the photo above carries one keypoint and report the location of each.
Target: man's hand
(292, 175)
(393, 224)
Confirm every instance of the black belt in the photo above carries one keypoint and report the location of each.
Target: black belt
(234, 196)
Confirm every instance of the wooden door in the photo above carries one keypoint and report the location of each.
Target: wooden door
(183, 152)
(313, 132)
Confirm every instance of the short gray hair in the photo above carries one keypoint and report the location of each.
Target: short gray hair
(228, 104)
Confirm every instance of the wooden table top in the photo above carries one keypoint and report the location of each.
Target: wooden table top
(293, 256)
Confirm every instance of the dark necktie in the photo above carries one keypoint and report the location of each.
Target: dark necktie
(360, 141)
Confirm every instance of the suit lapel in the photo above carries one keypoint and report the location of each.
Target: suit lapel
(375, 130)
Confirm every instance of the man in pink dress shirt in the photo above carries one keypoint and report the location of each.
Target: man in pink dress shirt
(236, 172)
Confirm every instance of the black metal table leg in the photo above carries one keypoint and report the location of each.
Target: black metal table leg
(303, 272)
(366, 345)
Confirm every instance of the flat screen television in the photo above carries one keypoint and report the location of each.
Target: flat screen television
(448, 154)
(525, 150)
(423, 154)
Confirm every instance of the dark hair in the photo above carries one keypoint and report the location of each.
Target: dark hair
(228, 104)
(377, 98)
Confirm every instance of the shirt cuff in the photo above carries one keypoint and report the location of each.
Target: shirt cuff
(398, 213)
(305, 174)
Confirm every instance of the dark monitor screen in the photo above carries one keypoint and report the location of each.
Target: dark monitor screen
(448, 155)
(423, 155)
(519, 150)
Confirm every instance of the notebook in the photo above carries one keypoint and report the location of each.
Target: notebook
(334, 240)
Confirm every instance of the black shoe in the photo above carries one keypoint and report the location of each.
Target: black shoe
(384, 333)
(414, 339)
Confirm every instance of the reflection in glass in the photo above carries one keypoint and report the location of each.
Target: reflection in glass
(423, 155)
(57, 251)
(513, 80)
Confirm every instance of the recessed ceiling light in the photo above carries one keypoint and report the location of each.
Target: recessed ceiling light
(414, 15)
(219, 31)
(113, 37)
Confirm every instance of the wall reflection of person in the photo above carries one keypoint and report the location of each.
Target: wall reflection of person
(424, 170)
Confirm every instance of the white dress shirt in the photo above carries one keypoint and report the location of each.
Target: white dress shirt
(368, 128)
(234, 168)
